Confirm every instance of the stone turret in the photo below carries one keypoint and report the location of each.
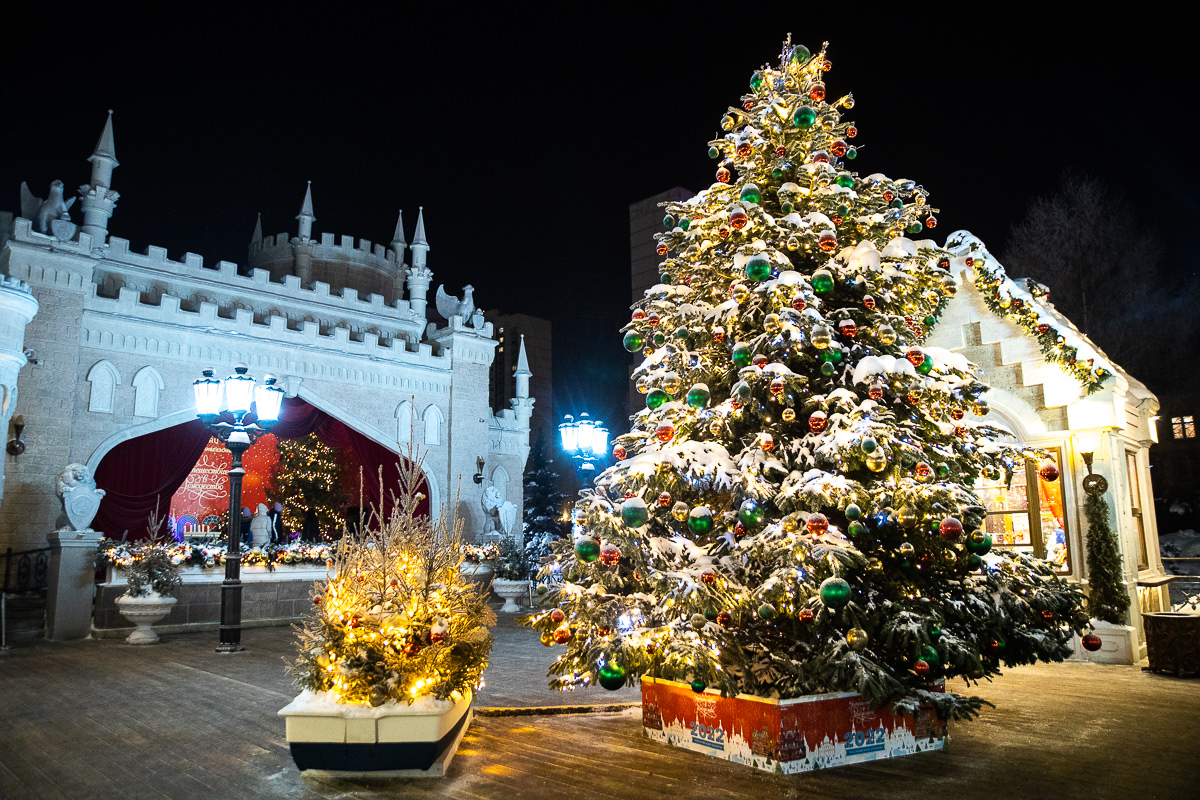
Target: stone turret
(419, 275)
(98, 198)
(523, 404)
(302, 243)
(17, 308)
(398, 247)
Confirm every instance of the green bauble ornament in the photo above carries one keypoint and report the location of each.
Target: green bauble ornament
(822, 281)
(698, 395)
(914, 228)
(845, 181)
(655, 398)
(741, 354)
(681, 332)
(868, 444)
(633, 341)
(700, 521)
(979, 543)
(710, 613)
(751, 194)
(612, 676)
(856, 528)
(634, 513)
(750, 513)
(835, 592)
(926, 366)
(668, 221)
(929, 654)
(828, 368)
(587, 549)
(756, 81)
(800, 54)
(698, 686)
(766, 611)
(942, 469)
(929, 320)
(758, 268)
(804, 117)
(741, 391)
(658, 339)
(685, 223)
(853, 511)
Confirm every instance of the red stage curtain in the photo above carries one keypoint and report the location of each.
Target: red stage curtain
(137, 473)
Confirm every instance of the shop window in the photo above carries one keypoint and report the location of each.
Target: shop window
(1135, 507)
(1028, 515)
(1183, 427)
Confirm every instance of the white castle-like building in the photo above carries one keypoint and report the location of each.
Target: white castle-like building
(100, 345)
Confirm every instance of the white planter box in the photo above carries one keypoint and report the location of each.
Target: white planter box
(391, 741)
(1118, 645)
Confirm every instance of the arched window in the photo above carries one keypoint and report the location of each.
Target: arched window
(500, 481)
(104, 379)
(404, 422)
(433, 425)
(147, 384)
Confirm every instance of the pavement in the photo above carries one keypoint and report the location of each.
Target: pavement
(99, 719)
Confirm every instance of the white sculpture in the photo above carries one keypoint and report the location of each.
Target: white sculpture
(43, 212)
(501, 514)
(76, 487)
(449, 306)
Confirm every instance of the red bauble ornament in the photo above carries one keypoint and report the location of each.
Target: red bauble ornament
(1048, 470)
(817, 92)
(638, 315)
(738, 218)
(827, 241)
(889, 195)
(1092, 642)
(921, 667)
(665, 431)
(317, 600)
(851, 132)
(915, 356)
(723, 231)
(956, 413)
(724, 619)
(951, 529)
(819, 157)
(931, 222)
(875, 392)
(749, 104)
(839, 147)
(805, 615)
(411, 647)
(436, 637)
(816, 422)
(562, 635)
(766, 441)
(777, 386)
(610, 555)
(743, 149)
(661, 249)
(759, 360)
(817, 523)
(1047, 615)
(923, 471)
(708, 577)
(664, 499)
(723, 175)
(619, 453)
(781, 151)
(868, 302)
(848, 328)
(798, 303)
(652, 318)
(718, 334)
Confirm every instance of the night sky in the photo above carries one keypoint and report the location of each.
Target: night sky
(526, 138)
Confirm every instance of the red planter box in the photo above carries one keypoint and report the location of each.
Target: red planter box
(787, 736)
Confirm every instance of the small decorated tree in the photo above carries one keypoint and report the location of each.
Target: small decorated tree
(307, 481)
(1107, 598)
(396, 620)
(542, 504)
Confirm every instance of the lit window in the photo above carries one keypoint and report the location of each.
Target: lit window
(1183, 427)
(1028, 515)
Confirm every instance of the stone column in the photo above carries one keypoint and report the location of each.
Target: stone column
(71, 584)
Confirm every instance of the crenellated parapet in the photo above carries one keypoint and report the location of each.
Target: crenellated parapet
(337, 260)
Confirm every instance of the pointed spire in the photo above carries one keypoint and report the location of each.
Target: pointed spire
(522, 373)
(420, 247)
(306, 214)
(398, 236)
(105, 147)
(256, 237)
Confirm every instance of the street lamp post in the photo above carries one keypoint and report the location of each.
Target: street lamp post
(226, 419)
(584, 439)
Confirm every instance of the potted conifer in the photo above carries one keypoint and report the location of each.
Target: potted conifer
(395, 644)
(152, 579)
(512, 573)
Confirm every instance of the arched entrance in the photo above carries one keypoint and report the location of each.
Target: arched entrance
(141, 474)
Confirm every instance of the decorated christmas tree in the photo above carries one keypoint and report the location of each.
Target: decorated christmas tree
(792, 511)
(307, 481)
(397, 620)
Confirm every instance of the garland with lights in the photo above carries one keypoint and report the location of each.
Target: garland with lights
(791, 514)
(397, 620)
(210, 556)
(996, 289)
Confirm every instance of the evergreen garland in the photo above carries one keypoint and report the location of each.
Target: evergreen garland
(1107, 598)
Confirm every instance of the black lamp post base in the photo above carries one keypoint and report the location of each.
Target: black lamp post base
(230, 647)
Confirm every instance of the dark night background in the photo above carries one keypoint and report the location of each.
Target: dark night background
(526, 136)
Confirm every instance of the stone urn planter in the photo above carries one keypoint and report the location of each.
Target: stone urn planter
(393, 740)
(1172, 642)
(143, 612)
(510, 591)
